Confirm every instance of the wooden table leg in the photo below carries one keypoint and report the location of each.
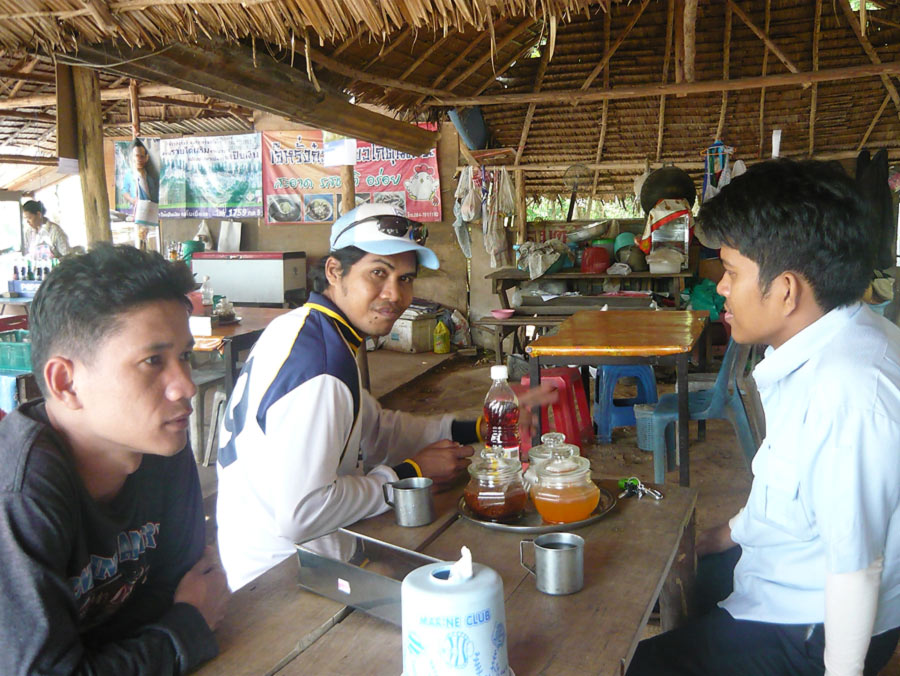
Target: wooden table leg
(676, 599)
(535, 380)
(681, 369)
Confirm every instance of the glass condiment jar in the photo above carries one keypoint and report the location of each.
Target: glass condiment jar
(495, 491)
(540, 455)
(564, 492)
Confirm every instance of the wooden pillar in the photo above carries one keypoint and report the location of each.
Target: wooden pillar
(135, 111)
(348, 188)
(521, 207)
(89, 134)
(348, 202)
(66, 142)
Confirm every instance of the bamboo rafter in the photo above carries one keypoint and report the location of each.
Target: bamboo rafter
(817, 31)
(670, 27)
(762, 92)
(612, 50)
(726, 64)
(764, 36)
(604, 114)
(539, 81)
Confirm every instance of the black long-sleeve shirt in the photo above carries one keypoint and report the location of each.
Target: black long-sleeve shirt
(85, 587)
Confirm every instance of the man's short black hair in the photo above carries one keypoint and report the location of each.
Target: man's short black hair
(83, 299)
(34, 207)
(805, 217)
(347, 257)
(136, 143)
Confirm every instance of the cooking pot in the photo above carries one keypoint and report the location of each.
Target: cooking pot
(669, 182)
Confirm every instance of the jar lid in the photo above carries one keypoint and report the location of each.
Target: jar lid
(551, 442)
(564, 469)
(492, 466)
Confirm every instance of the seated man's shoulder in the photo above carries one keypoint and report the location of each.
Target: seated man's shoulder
(30, 454)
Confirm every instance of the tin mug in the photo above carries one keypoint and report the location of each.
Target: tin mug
(413, 501)
(558, 562)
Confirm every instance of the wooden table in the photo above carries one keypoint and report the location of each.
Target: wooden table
(243, 335)
(640, 552)
(501, 328)
(506, 278)
(626, 337)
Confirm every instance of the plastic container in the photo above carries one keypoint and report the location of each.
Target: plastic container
(643, 418)
(15, 350)
(206, 292)
(595, 260)
(608, 244)
(441, 338)
(501, 413)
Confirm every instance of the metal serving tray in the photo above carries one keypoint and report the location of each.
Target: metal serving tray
(358, 571)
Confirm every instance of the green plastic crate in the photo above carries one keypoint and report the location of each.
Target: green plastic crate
(15, 350)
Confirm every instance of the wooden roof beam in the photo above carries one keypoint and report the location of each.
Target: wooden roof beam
(539, 81)
(428, 52)
(114, 94)
(480, 61)
(506, 66)
(575, 97)
(40, 78)
(29, 159)
(762, 92)
(887, 98)
(870, 52)
(670, 27)
(387, 49)
(612, 50)
(764, 36)
(690, 39)
(814, 95)
(228, 72)
(726, 64)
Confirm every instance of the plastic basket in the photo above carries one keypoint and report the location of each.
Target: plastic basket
(643, 418)
(15, 350)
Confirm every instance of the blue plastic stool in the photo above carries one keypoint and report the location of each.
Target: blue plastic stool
(609, 412)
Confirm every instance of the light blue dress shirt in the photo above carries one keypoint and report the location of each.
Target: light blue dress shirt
(826, 480)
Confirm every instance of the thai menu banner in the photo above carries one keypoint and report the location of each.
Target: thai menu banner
(211, 177)
(298, 188)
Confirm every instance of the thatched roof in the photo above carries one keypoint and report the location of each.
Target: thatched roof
(596, 100)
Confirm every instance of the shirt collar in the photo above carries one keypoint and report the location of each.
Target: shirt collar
(800, 347)
(341, 322)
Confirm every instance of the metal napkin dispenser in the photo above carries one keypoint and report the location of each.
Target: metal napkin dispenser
(358, 571)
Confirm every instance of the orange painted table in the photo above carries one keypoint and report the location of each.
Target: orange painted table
(626, 337)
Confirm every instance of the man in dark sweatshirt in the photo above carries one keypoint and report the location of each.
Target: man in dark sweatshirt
(102, 561)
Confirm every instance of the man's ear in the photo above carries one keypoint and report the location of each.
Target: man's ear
(333, 270)
(59, 376)
(792, 290)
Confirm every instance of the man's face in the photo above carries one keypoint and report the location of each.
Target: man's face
(34, 219)
(135, 390)
(754, 318)
(139, 156)
(376, 291)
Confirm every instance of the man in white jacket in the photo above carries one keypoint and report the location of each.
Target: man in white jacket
(303, 448)
(816, 587)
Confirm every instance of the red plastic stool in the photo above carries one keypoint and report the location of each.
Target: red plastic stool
(571, 412)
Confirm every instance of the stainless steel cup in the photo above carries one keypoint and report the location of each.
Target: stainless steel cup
(413, 502)
(558, 562)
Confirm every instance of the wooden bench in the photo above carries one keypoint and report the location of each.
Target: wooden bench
(501, 328)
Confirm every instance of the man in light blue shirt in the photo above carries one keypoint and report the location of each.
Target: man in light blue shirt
(816, 588)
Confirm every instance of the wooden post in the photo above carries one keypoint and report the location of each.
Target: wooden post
(348, 189)
(135, 111)
(521, 207)
(348, 203)
(89, 133)
(66, 142)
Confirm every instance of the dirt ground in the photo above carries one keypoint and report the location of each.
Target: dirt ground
(719, 469)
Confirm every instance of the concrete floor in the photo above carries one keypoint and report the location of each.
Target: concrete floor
(431, 384)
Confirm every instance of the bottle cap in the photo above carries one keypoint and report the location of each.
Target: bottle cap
(499, 373)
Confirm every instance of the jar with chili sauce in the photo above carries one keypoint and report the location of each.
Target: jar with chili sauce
(495, 491)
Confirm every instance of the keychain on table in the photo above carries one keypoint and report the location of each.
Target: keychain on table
(634, 486)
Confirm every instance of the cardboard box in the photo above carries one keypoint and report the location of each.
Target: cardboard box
(412, 335)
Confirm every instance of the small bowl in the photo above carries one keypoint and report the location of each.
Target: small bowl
(502, 314)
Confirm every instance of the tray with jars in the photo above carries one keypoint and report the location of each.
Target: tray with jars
(556, 493)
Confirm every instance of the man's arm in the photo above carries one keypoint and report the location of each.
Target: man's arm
(39, 623)
(851, 601)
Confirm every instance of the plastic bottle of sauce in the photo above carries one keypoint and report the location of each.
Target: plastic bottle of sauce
(501, 413)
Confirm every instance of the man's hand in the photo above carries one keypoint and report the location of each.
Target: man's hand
(543, 395)
(714, 540)
(443, 460)
(204, 587)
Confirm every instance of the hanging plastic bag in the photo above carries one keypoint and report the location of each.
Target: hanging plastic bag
(506, 195)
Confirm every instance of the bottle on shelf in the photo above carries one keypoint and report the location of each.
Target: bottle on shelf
(501, 413)
(206, 291)
(15, 272)
(30, 274)
(39, 274)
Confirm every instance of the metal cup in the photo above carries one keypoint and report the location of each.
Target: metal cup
(558, 562)
(413, 502)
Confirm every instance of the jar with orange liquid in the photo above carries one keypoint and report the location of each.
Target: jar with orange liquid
(538, 456)
(564, 492)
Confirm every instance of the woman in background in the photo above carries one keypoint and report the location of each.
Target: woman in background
(43, 239)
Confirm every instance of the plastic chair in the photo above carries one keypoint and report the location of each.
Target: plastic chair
(571, 412)
(721, 401)
(206, 378)
(610, 412)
